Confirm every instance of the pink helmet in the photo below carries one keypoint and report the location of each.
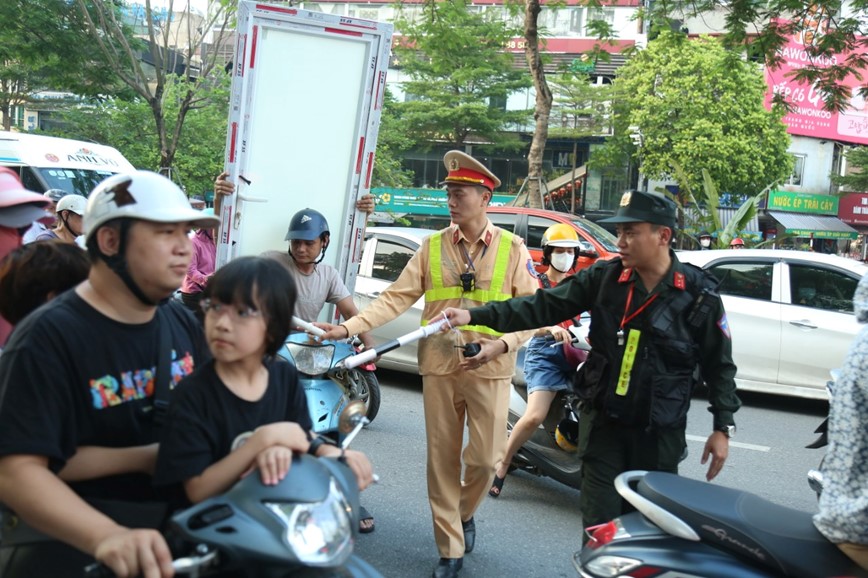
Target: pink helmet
(18, 206)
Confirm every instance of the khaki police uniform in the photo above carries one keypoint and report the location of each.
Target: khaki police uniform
(480, 397)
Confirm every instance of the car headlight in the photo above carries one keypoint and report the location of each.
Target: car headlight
(319, 534)
(311, 359)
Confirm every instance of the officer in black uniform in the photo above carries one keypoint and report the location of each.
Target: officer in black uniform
(658, 328)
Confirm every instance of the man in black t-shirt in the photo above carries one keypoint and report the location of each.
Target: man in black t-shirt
(77, 389)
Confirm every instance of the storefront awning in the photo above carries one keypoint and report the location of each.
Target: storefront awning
(814, 226)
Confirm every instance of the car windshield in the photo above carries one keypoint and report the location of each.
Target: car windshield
(79, 181)
(602, 236)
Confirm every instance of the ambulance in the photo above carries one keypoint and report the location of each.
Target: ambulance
(45, 162)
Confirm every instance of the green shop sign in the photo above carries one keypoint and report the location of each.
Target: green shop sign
(803, 203)
(420, 201)
(822, 234)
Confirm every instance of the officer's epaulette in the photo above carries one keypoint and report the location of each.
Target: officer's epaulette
(701, 277)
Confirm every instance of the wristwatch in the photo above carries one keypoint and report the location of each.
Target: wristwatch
(318, 442)
(727, 430)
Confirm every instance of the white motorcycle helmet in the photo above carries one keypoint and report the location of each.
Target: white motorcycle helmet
(140, 195)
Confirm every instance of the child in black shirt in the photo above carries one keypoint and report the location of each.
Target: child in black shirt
(244, 410)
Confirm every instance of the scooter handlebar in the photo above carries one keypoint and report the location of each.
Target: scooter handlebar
(182, 566)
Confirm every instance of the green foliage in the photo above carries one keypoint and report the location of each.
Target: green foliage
(170, 100)
(580, 109)
(392, 142)
(700, 107)
(459, 74)
(755, 28)
(44, 45)
(699, 211)
(128, 126)
(857, 180)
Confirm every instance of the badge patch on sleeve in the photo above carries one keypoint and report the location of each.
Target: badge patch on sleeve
(531, 269)
(724, 326)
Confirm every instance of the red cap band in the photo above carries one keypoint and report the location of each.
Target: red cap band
(469, 176)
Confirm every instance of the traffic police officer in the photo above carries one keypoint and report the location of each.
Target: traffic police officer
(657, 329)
(469, 263)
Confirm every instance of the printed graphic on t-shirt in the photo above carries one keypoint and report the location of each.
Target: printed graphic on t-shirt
(109, 390)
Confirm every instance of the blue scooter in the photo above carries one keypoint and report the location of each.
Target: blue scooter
(328, 385)
(306, 525)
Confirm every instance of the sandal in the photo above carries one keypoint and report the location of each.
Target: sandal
(496, 486)
(366, 521)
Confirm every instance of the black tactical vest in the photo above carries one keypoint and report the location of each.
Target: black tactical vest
(664, 371)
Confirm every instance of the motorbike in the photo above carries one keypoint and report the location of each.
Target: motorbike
(685, 527)
(329, 386)
(815, 477)
(542, 455)
(306, 525)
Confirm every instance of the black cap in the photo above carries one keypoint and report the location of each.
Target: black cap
(641, 207)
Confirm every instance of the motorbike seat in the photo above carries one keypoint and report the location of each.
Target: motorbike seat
(755, 529)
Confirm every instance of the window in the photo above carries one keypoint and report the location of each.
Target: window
(390, 259)
(751, 280)
(368, 12)
(536, 226)
(504, 221)
(798, 170)
(18, 116)
(607, 15)
(612, 188)
(598, 233)
(821, 288)
(576, 20)
(30, 181)
(497, 102)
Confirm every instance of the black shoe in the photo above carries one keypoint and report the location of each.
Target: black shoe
(469, 535)
(448, 567)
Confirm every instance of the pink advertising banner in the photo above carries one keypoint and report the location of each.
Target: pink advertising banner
(807, 117)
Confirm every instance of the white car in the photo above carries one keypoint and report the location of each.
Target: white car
(790, 314)
(384, 255)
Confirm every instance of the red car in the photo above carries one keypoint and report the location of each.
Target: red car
(530, 224)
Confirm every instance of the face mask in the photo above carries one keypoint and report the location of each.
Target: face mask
(705, 242)
(561, 261)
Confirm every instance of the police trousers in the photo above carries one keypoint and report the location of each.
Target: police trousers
(450, 401)
(607, 449)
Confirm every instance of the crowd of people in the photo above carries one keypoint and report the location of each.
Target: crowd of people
(94, 459)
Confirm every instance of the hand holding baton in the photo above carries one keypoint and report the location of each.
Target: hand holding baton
(371, 354)
(308, 327)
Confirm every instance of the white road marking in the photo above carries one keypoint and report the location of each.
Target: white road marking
(732, 444)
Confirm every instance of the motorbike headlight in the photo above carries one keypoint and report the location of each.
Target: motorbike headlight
(319, 534)
(311, 359)
(611, 565)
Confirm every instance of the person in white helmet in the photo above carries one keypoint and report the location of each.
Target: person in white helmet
(83, 386)
(69, 211)
(46, 223)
